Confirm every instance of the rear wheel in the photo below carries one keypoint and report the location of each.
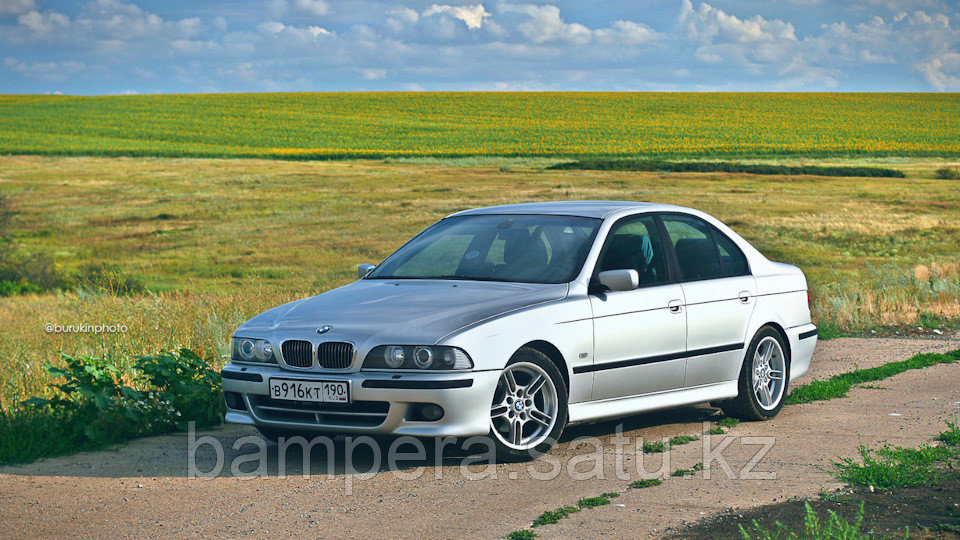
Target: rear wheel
(764, 378)
(529, 409)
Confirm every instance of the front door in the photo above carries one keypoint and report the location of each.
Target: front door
(639, 335)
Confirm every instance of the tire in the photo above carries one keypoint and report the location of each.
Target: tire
(525, 425)
(767, 359)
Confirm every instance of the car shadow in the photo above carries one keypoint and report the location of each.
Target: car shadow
(241, 452)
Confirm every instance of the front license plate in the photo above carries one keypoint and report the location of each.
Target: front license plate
(316, 391)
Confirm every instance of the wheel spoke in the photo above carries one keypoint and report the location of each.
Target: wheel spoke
(766, 394)
(511, 382)
(516, 433)
(540, 417)
(535, 386)
(776, 374)
(499, 410)
(768, 354)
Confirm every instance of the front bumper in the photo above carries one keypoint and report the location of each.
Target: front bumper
(381, 403)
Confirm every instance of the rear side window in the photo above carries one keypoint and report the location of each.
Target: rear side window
(733, 260)
(696, 251)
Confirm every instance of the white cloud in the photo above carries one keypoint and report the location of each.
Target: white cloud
(472, 16)
(17, 7)
(709, 24)
(627, 32)
(48, 71)
(271, 27)
(315, 7)
(545, 24)
(942, 72)
(404, 14)
(373, 74)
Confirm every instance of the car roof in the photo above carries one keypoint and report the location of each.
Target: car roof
(593, 209)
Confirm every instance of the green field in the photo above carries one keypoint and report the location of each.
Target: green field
(332, 125)
(217, 241)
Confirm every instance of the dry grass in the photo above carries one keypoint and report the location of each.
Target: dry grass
(220, 240)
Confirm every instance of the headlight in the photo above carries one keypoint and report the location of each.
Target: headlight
(394, 356)
(263, 351)
(252, 350)
(425, 357)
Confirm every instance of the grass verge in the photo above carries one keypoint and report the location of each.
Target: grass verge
(896, 467)
(918, 491)
(688, 472)
(723, 166)
(838, 385)
(892, 467)
(833, 527)
(645, 483)
(551, 517)
(655, 447)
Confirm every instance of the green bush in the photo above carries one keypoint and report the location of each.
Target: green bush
(94, 403)
(891, 467)
(14, 288)
(723, 166)
(946, 173)
(107, 278)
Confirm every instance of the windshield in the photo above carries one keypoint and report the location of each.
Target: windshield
(524, 248)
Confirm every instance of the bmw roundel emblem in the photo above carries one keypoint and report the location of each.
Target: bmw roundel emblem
(324, 329)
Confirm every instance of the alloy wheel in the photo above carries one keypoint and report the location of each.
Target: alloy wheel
(769, 367)
(525, 406)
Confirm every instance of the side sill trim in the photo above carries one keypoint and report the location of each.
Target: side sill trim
(658, 358)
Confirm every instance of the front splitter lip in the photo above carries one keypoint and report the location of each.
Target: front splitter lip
(464, 396)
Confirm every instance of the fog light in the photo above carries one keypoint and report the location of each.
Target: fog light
(234, 401)
(431, 412)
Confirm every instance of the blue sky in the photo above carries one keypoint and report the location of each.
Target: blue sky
(154, 46)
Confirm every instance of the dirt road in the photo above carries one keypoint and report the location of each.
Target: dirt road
(144, 489)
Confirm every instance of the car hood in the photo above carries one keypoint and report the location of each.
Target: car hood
(398, 311)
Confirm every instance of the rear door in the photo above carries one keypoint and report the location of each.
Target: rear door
(639, 335)
(719, 296)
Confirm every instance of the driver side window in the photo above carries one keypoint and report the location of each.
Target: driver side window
(635, 244)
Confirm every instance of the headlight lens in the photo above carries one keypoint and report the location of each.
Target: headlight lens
(425, 357)
(394, 356)
(263, 350)
(252, 350)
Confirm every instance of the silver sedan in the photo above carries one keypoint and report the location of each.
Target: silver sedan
(515, 321)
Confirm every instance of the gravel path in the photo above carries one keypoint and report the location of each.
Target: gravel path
(143, 490)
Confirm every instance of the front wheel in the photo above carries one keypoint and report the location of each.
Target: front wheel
(529, 409)
(763, 379)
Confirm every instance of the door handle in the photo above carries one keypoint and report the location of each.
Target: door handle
(674, 306)
(744, 297)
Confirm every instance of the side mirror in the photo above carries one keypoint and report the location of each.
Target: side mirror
(620, 280)
(366, 268)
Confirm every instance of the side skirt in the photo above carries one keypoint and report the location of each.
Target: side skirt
(594, 410)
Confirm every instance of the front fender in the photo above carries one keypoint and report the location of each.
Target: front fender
(566, 324)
